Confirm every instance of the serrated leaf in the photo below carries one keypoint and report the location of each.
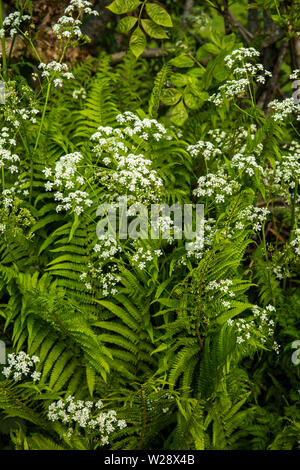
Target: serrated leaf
(126, 24)
(192, 101)
(153, 30)
(212, 48)
(170, 96)
(195, 99)
(159, 15)
(90, 378)
(137, 42)
(161, 347)
(179, 114)
(179, 80)
(123, 6)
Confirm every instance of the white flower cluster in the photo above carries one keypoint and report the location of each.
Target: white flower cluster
(155, 399)
(108, 248)
(282, 109)
(8, 195)
(287, 171)
(239, 55)
(81, 93)
(282, 179)
(205, 149)
(217, 185)
(15, 115)
(236, 61)
(221, 287)
(12, 23)
(281, 272)
(295, 74)
(246, 163)
(107, 280)
(78, 412)
(130, 174)
(230, 89)
(204, 239)
(262, 326)
(164, 226)
(8, 160)
(64, 180)
(295, 243)
(14, 191)
(56, 72)
(226, 142)
(20, 365)
(143, 256)
(254, 215)
(67, 26)
(144, 128)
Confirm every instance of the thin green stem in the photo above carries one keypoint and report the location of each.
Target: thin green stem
(14, 36)
(43, 116)
(3, 48)
(141, 10)
(38, 136)
(294, 202)
(3, 179)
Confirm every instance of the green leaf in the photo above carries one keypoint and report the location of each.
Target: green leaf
(161, 347)
(75, 225)
(182, 61)
(179, 80)
(153, 30)
(123, 6)
(170, 96)
(159, 15)
(221, 73)
(178, 114)
(137, 42)
(90, 378)
(192, 101)
(126, 24)
(212, 48)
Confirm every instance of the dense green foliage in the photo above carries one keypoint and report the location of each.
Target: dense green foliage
(191, 347)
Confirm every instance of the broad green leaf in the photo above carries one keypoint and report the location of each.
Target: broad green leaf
(170, 96)
(173, 303)
(137, 42)
(221, 74)
(178, 114)
(123, 6)
(159, 15)
(179, 80)
(154, 30)
(212, 48)
(228, 41)
(182, 61)
(90, 378)
(126, 24)
(192, 101)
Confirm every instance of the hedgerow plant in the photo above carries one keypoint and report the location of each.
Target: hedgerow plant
(151, 342)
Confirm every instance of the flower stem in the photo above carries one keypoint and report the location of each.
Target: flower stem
(3, 48)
